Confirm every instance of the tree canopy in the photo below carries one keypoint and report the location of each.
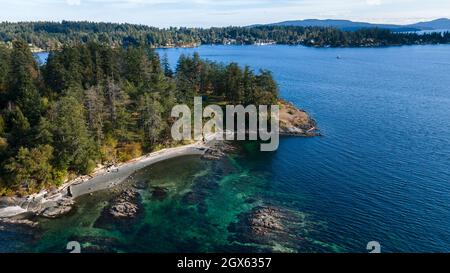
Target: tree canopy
(92, 103)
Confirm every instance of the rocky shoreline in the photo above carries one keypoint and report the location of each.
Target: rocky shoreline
(59, 202)
(5, 223)
(43, 204)
(296, 122)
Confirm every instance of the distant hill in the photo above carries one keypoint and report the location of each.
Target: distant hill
(348, 25)
(442, 23)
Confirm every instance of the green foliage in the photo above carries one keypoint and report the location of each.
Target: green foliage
(89, 166)
(197, 77)
(2, 126)
(18, 127)
(150, 117)
(4, 71)
(23, 73)
(129, 151)
(71, 138)
(108, 149)
(166, 66)
(31, 169)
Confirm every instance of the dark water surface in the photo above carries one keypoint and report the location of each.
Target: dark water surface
(381, 172)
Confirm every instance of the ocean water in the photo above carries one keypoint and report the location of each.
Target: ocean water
(381, 172)
(41, 57)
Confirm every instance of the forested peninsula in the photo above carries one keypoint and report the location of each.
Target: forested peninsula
(47, 36)
(92, 103)
(104, 95)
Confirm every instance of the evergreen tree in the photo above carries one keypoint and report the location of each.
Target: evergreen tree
(94, 105)
(4, 71)
(150, 118)
(233, 83)
(166, 66)
(74, 148)
(21, 86)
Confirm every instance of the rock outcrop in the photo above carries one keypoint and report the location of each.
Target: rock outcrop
(296, 122)
(122, 213)
(57, 208)
(269, 226)
(5, 222)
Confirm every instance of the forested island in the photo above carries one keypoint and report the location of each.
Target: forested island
(49, 36)
(92, 103)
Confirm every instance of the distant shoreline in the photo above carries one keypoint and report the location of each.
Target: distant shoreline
(48, 36)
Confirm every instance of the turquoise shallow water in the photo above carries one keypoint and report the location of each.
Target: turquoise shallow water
(381, 171)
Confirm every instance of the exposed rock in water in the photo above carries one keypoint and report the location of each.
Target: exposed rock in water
(269, 226)
(122, 212)
(125, 206)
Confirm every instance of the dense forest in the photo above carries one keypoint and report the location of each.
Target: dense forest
(53, 35)
(92, 103)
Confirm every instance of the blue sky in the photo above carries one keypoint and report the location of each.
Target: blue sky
(205, 13)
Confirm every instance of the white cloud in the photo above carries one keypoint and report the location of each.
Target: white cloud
(205, 13)
(73, 2)
(373, 2)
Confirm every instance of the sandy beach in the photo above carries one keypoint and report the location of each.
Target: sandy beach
(103, 178)
(113, 176)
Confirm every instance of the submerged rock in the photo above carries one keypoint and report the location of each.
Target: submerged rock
(95, 244)
(140, 185)
(159, 193)
(191, 198)
(266, 220)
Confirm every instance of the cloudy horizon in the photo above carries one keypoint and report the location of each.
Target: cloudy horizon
(207, 13)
